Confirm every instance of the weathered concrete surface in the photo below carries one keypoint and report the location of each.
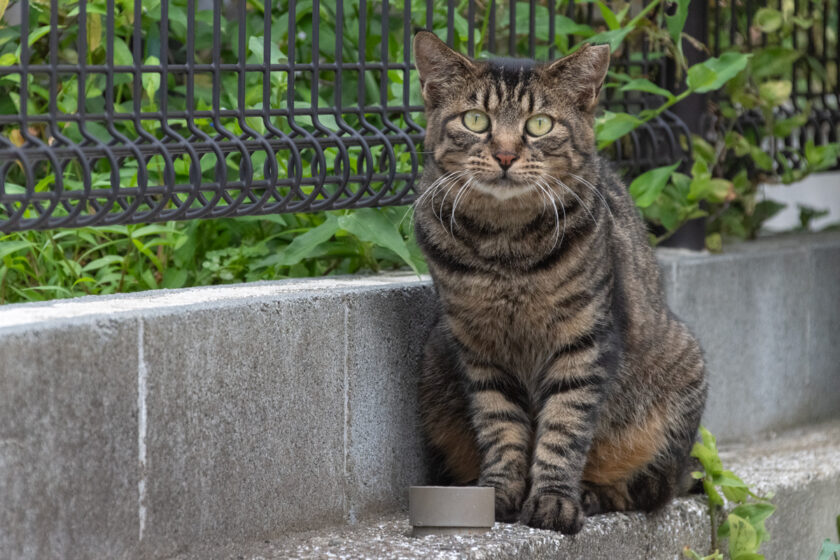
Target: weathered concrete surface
(144, 424)
(766, 314)
(801, 467)
(68, 442)
(635, 535)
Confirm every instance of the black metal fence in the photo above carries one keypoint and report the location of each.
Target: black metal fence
(121, 111)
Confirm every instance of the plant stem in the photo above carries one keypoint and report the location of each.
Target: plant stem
(713, 520)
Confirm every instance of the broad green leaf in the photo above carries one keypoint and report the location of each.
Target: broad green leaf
(785, 127)
(773, 61)
(609, 17)
(302, 245)
(37, 33)
(707, 188)
(374, 227)
(122, 54)
(742, 537)
(821, 157)
(647, 187)
(713, 73)
(9, 247)
(641, 84)
(768, 19)
(611, 126)
(8, 59)
(613, 37)
(567, 26)
(829, 549)
(102, 262)
(775, 92)
(3, 5)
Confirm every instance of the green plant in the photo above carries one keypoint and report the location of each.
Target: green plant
(743, 527)
(40, 265)
(830, 550)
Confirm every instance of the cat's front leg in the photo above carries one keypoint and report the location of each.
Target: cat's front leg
(503, 433)
(570, 394)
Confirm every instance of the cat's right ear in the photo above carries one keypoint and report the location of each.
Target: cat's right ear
(439, 66)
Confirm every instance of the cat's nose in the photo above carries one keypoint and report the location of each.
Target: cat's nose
(505, 159)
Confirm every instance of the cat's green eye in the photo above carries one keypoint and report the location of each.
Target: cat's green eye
(539, 125)
(476, 121)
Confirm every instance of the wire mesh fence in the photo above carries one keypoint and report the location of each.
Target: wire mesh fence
(129, 111)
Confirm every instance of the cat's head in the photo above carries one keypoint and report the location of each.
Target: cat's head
(509, 123)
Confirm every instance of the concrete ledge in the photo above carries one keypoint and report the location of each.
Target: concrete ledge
(802, 468)
(143, 424)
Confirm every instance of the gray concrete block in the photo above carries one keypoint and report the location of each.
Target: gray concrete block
(386, 331)
(68, 442)
(822, 386)
(245, 422)
(750, 313)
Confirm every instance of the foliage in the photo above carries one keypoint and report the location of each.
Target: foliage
(744, 524)
(721, 182)
(830, 550)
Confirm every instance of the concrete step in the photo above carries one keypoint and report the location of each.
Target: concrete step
(801, 467)
(141, 425)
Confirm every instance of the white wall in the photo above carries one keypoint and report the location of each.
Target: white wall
(818, 191)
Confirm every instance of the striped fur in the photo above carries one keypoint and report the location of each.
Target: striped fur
(556, 372)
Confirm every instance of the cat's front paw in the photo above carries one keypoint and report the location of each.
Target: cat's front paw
(509, 498)
(553, 511)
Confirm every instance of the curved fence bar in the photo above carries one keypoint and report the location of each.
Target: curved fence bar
(156, 110)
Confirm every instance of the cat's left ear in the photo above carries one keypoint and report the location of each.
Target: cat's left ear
(583, 72)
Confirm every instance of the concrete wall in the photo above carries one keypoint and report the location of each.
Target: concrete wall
(143, 424)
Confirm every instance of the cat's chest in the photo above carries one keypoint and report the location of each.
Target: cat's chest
(501, 318)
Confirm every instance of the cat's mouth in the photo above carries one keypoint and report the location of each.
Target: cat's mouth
(504, 189)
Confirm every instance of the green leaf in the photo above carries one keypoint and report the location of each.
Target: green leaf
(775, 92)
(773, 61)
(828, 550)
(768, 19)
(151, 80)
(102, 262)
(611, 126)
(613, 38)
(641, 84)
(302, 245)
(785, 127)
(821, 157)
(647, 187)
(713, 73)
(676, 23)
(609, 17)
(373, 226)
(9, 247)
(122, 54)
(742, 536)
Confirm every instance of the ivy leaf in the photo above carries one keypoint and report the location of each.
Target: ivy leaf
(712, 73)
(647, 187)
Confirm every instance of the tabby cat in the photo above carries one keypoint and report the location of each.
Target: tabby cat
(556, 372)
